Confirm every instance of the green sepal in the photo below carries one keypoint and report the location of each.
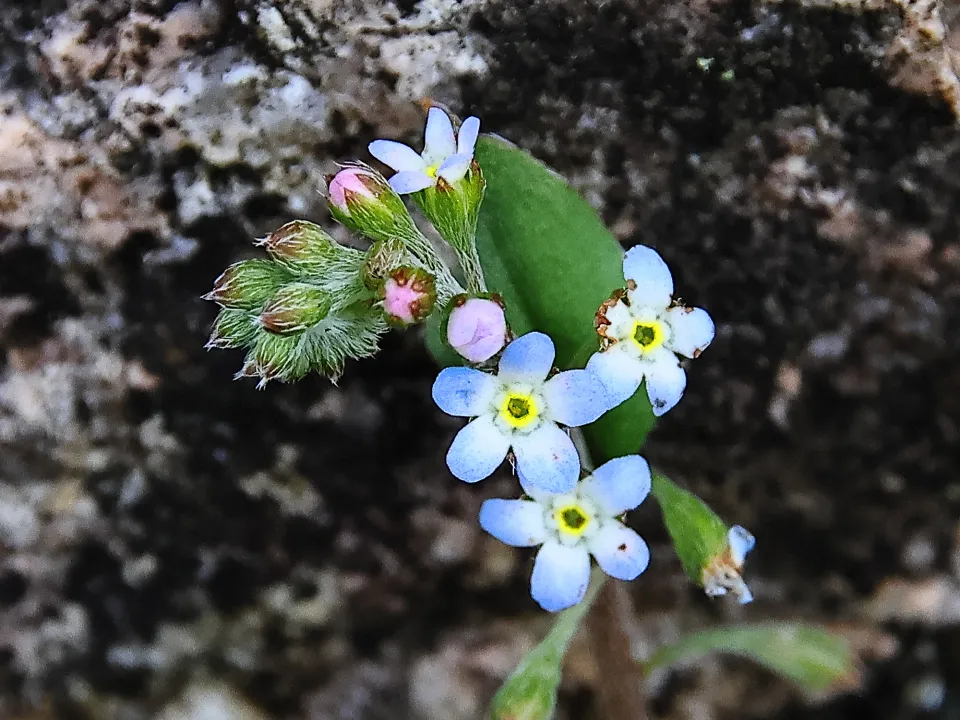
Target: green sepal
(248, 284)
(453, 208)
(302, 247)
(295, 307)
(233, 329)
(381, 215)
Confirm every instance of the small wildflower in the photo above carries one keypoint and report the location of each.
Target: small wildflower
(571, 527)
(477, 329)
(519, 409)
(724, 573)
(643, 331)
(445, 154)
(409, 295)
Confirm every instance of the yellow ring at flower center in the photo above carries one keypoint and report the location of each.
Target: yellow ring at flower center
(431, 170)
(519, 410)
(571, 520)
(647, 335)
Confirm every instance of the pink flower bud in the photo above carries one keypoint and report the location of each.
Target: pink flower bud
(477, 329)
(349, 183)
(409, 295)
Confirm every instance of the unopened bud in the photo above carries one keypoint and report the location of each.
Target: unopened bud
(233, 329)
(302, 246)
(295, 307)
(279, 357)
(723, 573)
(382, 258)
(362, 200)
(248, 284)
(409, 295)
(477, 329)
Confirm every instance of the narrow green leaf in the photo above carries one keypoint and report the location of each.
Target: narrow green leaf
(530, 693)
(699, 535)
(808, 655)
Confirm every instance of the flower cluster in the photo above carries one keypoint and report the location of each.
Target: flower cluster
(315, 303)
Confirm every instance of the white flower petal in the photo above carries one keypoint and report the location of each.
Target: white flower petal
(400, 157)
(560, 577)
(477, 450)
(665, 380)
(467, 136)
(741, 542)
(576, 397)
(548, 459)
(620, 373)
(647, 269)
(618, 485)
(410, 181)
(514, 522)
(537, 493)
(454, 167)
(464, 392)
(619, 551)
(527, 359)
(621, 320)
(691, 330)
(438, 139)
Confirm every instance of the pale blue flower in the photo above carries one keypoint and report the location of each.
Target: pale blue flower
(644, 331)
(520, 409)
(570, 527)
(445, 154)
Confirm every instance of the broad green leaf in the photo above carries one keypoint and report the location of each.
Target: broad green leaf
(808, 655)
(698, 533)
(530, 693)
(544, 249)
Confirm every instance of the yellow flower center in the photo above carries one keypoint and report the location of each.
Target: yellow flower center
(519, 410)
(431, 170)
(647, 335)
(571, 520)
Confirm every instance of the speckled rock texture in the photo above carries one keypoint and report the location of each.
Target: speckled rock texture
(174, 544)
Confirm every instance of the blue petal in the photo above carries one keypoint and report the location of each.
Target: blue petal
(514, 522)
(464, 392)
(454, 167)
(741, 542)
(619, 551)
(408, 182)
(396, 155)
(576, 397)
(527, 359)
(691, 330)
(647, 269)
(477, 450)
(561, 574)
(438, 138)
(467, 137)
(548, 459)
(618, 485)
(620, 373)
(665, 380)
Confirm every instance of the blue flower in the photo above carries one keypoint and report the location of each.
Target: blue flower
(445, 154)
(519, 409)
(570, 527)
(724, 573)
(644, 331)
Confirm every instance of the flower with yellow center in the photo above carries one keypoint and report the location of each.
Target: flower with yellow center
(446, 154)
(570, 527)
(644, 332)
(520, 409)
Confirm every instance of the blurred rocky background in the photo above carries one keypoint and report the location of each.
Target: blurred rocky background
(174, 544)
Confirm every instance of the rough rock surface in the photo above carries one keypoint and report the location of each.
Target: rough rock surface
(179, 545)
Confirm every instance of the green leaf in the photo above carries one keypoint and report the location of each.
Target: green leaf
(530, 693)
(544, 249)
(808, 655)
(699, 535)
